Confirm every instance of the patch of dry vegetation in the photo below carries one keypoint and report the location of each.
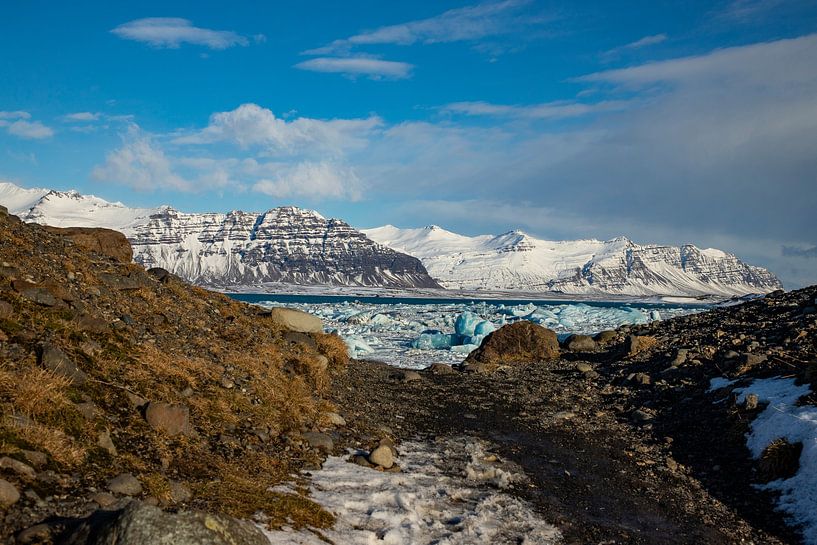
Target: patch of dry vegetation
(249, 390)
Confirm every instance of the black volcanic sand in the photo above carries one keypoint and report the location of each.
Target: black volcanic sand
(610, 459)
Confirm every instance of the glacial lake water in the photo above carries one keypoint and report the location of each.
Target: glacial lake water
(415, 332)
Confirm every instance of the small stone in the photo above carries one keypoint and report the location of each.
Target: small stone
(409, 376)
(319, 441)
(584, 367)
(36, 459)
(87, 409)
(680, 357)
(335, 419)
(8, 493)
(476, 367)
(440, 369)
(382, 456)
(642, 378)
(125, 484)
(40, 533)
(104, 441)
(136, 401)
(179, 493)
(227, 383)
(672, 465)
(580, 343)
(167, 418)
(103, 499)
(54, 359)
(361, 460)
(18, 467)
(641, 416)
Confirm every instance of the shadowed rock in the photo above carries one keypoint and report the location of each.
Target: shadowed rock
(520, 342)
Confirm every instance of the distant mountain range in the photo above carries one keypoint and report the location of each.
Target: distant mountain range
(518, 261)
(283, 245)
(297, 246)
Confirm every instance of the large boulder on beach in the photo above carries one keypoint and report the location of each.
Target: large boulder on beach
(296, 320)
(520, 342)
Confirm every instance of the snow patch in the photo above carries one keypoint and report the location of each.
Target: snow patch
(782, 418)
(449, 493)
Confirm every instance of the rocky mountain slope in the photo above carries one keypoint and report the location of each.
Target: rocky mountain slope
(118, 383)
(283, 245)
(518, 261)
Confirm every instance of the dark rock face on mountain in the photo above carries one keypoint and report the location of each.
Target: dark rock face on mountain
(286, 244)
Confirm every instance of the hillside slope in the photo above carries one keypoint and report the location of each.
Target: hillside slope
(132, 382)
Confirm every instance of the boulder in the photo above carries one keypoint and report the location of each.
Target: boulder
(8, 493)
(296, 320)
(382, 456)
(141, 524)
(605, 337)
(440, 369)
(54, 359)
(580, 343)
(319, 441)
(126, 484)
(105, 242)
(520, 342)
(168, 418)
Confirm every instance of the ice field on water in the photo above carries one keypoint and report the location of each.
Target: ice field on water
(418, 332)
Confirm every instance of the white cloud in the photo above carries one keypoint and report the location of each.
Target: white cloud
(140, 164)
(641, 43)
(172, 32)
(460, 24)
(250, 125)
(312, 180)
(31, 130)
(356, 66)
(14, 115)
(547, 110)
(81, 117)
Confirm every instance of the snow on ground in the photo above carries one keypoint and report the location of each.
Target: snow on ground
(451, 492)
(417, 335)
(783, 418)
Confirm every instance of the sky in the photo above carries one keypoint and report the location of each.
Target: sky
(667, 122)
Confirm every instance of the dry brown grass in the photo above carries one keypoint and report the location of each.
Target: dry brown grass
(64, 449)
(34, 392)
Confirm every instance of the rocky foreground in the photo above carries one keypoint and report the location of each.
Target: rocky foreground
(620, 435)
(137, 409)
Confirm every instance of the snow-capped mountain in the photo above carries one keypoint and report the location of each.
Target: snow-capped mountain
(518, 261)
(288, 244)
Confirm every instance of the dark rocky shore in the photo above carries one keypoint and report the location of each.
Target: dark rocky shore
(620, 437)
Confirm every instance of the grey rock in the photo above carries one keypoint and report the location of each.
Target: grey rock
(141, 524)
(440, 369)
(35, 458)
(126, 484)
(335, 419)
(18, 467)
(605, 337)
(409, 376)
(318, 440)
(179, 493)
(296, 320)
(8, 493)
(104, 441)
(104, 499)
(584, 367)
(40, 533)
(382, 456)
(53, 358)
(41, 296)
(580, 343)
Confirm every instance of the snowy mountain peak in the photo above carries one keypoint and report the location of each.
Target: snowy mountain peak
(518, 261)
(286, 244)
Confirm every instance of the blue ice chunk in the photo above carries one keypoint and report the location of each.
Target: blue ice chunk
(483, 328)
(430, 341)
(466, 322)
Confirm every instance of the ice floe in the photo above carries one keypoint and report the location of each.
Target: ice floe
(417, 335)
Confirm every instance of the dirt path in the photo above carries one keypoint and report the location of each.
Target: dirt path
(596, 475)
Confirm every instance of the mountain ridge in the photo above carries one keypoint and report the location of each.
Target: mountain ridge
(515, 260)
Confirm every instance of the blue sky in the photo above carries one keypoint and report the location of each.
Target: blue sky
(667, 122)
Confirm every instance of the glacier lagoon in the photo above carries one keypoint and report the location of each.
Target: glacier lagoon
(416, 332)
